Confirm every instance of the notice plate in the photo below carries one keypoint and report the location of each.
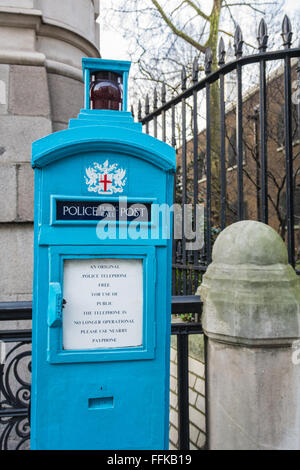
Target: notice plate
(103, 303)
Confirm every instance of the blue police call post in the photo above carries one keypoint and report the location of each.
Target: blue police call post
(102, 280)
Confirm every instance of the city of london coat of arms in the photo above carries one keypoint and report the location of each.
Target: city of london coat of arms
(105, 179)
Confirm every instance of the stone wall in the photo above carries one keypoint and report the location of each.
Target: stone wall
(41, 88)
(196, 402)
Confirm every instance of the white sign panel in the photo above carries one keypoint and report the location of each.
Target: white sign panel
(104, 303)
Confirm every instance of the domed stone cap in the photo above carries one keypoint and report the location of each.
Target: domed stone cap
(249, 242)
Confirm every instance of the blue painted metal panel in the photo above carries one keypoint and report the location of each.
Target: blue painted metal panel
(102, 398)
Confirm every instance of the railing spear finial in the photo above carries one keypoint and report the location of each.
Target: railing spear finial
(238, 42)
(207, 61)
(147, 106)
(262, 36)
(221, 52)
(183, 78)
(287, 32)
(132, 111)
(195, 71)
(163, 94)
(155, 99)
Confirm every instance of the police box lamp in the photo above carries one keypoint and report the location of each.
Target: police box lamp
(106, 91)
(101, 304)
(105, 84)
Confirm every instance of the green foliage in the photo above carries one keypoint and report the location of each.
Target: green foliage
(186, 317)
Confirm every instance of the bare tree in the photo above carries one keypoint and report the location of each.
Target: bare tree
(167, 35)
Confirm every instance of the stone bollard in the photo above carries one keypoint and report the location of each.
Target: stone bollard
(251, 317)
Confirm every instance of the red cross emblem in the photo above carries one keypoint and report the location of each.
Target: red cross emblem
(105, 181)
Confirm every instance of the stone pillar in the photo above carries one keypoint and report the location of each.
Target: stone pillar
(251, 317)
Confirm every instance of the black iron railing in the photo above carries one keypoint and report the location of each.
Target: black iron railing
(204, 168)
(15, 369)
(183, 305)
(15, 373)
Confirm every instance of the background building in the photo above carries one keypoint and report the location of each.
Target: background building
(276, 175)
(41, 88)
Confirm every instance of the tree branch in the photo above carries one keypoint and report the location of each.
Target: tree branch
(177, 31)
(250, 5)
(199, 12)
(178, 7)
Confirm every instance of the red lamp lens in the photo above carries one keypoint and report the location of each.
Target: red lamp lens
(106, 91)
